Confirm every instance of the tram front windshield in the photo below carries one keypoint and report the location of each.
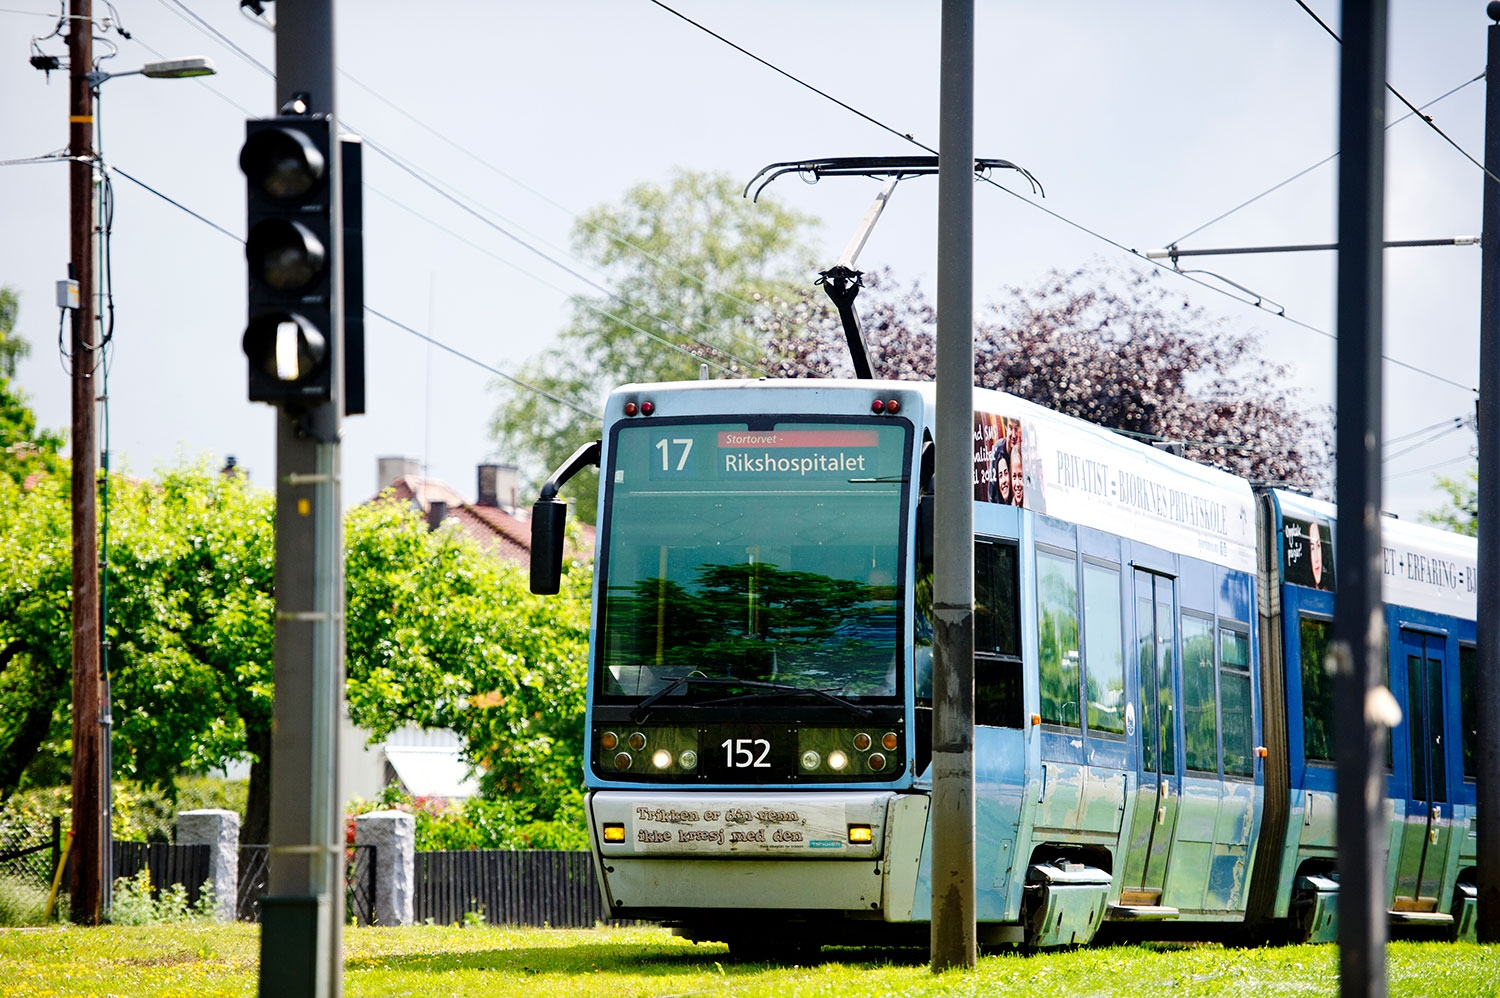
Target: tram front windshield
(744, 560)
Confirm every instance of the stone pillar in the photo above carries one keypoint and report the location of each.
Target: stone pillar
(220, 831)
(394, 836)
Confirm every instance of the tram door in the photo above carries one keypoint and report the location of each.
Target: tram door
(1427, 833)
(1159, 785)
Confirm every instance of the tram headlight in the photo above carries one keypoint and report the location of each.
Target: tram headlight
(623, 761)
(837, 760)
(811, 759)
(688, 760)
(661, 758)
(888, 741)
(861, 742)
(636, 741)
(876, 762)
(608, 741)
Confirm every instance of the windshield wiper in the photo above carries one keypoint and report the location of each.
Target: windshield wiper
(639, 714)
(782, 689)
(762, 689)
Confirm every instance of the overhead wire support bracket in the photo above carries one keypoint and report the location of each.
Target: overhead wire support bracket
(879, 167)
(842, 280)
(1173, 252)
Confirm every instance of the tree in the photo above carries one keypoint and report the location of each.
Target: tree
(12, 347)
(688, 266)
(442, 633)
(1461, 515)
(1120, 351)
(24, 449)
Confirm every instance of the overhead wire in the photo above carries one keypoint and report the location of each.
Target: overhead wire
(464, 203)
(1325, 160)
(1400, 97)
(1056, 215)
(378, 314)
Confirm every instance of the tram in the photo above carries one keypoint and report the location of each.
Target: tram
(1153, 722)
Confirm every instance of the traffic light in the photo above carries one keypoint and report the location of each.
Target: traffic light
(289, 249)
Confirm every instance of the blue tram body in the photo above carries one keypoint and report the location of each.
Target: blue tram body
(1153, 720)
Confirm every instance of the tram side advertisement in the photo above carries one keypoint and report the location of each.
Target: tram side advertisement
(1050, 467)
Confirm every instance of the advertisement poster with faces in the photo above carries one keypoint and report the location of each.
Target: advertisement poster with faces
(999, 460)
(1307, 553)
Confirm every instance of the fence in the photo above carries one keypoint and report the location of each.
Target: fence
(359, 883)
(29, 857)
(169, 864)
(508, 887)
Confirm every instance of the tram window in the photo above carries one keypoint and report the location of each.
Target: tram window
(1234, 702)
(1104, 655)
(1199, 704)
(1317, 690)
(996, 607)
(997, 639)
(1468, 670)
(1057, 637)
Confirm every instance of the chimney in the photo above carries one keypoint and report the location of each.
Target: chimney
(437, 512)
(389, 469)
(499, 485)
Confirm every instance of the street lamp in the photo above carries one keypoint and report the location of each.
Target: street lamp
(167, 69)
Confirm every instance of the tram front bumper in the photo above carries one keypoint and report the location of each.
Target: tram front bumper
(670, 853)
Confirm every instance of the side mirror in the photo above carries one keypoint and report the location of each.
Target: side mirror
(547, 519)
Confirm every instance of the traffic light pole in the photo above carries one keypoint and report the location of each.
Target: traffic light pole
(302, 914)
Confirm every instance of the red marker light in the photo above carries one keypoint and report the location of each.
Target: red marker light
(877, 406)
(893, 406)
(647, 408)
(630, 408)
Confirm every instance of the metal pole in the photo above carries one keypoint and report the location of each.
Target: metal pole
(303, 913)
(1358, 616)
(90, 837)
(953, 931)
(1487, 679)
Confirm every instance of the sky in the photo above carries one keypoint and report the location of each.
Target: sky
(1142, 120)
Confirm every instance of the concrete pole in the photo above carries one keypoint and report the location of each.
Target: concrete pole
(1487, 679)
(953, 931)
(303, 913)
(90, 836)
(1359, 631)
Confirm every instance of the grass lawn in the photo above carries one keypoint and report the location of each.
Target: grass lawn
(439, 962)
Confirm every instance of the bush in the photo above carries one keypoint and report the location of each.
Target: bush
(21, 902)
(480, 823)
(134, 905)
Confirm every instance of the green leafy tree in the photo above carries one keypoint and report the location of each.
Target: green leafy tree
(689, 266)
(25, 449)
(442, 633)
(1461, 514)
(12, 347)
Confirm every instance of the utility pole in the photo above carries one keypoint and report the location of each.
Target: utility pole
(954, 942)
(302, 914)
(1359, 644)
(1487, 679)
(90, 837)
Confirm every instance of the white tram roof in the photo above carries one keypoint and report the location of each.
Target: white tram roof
(1423, 567)
(1073, 470)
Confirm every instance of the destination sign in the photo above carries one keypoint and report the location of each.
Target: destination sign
(797, 453)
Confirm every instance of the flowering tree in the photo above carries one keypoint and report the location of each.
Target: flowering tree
(1122, 351)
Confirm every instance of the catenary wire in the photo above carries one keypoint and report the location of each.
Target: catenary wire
(378, 314)
(463, 203)
(1430, 123)
(1325, 160)
(1063, 218)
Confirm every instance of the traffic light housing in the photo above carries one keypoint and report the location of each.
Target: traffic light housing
(289, 249)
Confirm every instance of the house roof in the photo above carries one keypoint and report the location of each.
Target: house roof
(503, 532)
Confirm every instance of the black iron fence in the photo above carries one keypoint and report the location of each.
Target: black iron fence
(508, 888)
(359, 883)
